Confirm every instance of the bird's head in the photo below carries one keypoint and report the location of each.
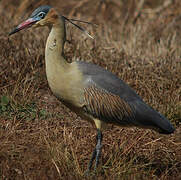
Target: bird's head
(42, 16)
(46, 16)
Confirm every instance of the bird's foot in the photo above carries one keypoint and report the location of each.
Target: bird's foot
(96, 153)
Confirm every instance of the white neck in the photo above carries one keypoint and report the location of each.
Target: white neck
(55, 45)
(63, 78)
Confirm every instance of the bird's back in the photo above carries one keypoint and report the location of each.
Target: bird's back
(111, 100)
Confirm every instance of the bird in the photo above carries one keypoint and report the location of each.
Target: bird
(92, 92)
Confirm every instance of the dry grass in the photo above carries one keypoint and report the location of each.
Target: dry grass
(41, 139)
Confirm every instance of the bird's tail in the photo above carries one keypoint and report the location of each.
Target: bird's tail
(165, 127)
(149, 118)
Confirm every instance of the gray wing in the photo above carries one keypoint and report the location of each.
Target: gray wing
(105, 80)
(110, 99)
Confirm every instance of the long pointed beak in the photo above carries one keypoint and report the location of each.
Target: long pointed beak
(26, 24)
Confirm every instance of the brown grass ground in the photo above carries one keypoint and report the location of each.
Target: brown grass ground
(140, 41)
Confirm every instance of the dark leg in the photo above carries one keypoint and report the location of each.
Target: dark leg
(97, 151)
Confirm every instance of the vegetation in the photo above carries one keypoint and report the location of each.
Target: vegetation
(139, 41)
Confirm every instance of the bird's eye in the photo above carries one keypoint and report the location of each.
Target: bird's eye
(41, 15)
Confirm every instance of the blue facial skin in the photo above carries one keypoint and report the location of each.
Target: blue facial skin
(44, 9)
(36, 16)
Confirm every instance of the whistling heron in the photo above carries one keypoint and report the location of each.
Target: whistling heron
(87, 89)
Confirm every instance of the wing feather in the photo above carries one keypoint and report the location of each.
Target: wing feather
(107, 107)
